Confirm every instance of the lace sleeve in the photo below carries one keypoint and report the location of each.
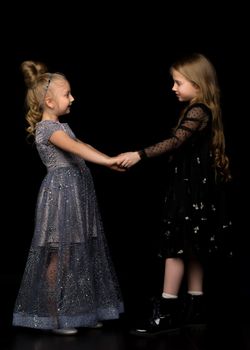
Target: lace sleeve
(195, 119)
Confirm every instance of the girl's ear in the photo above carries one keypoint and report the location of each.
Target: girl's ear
(48, 101)
(196, 87)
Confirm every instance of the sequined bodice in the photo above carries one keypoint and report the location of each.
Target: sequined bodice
(52, 156)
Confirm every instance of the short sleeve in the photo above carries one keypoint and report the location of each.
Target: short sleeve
(45, 129)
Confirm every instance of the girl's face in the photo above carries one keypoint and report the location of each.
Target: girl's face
(62, 97)
(183, 88)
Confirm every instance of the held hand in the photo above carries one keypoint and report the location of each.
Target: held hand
(128, 159)
(117, 168)
(113, 164)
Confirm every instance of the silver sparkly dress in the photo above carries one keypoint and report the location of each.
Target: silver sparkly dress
(69, 279)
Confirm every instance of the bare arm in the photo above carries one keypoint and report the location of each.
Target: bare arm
(86, 144)
(60, 139)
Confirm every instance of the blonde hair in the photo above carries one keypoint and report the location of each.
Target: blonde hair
(37, 80)
(200, 71)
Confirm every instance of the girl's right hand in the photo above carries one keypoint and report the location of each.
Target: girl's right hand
(128, 159)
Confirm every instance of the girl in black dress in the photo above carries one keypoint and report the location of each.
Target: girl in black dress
(195, 219)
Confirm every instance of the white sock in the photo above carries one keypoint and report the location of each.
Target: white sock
(169, 296)
(193, 292)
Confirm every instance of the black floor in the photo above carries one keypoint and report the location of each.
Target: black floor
(117, 337)
(228, 328)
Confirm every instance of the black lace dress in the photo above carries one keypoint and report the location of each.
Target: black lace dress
(195, 214)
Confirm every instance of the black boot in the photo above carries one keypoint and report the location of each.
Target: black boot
(165, 318)
(195, 313)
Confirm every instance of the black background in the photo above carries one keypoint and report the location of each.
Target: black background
(117, 62)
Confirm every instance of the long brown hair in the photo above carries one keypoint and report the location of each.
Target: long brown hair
(200, 71)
